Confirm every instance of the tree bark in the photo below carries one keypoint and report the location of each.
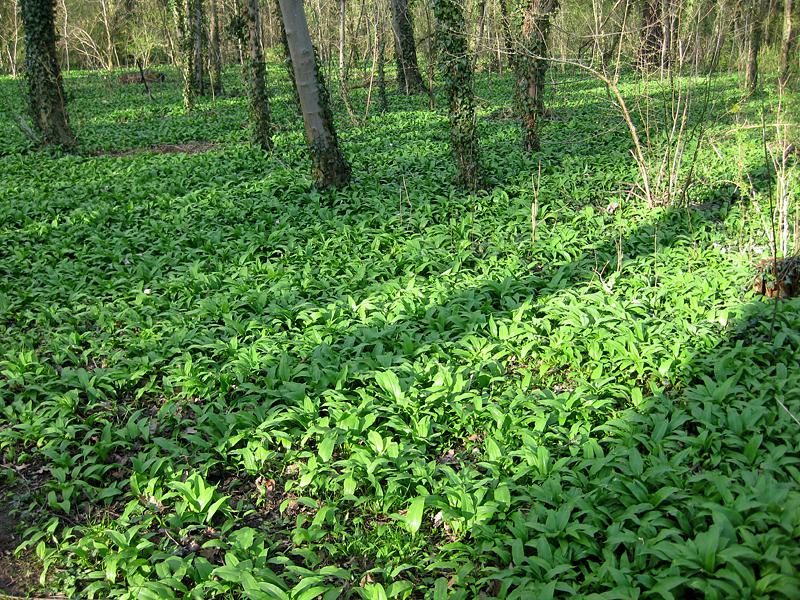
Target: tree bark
(45, 85)
(329, 167)
(481, 28)
(342, 34)
(721, 29)
(186, 54)
(666, 40)
(652, 34)
(786, 43)
(287, 56)
(530, 65)
(216, 52)
(256, 75)
(196, 27)
(508, 39)
(457, 70)
(408, 76)
(754, 38)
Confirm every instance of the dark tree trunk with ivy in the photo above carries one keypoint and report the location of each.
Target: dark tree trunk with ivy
(198, 45)
(215, 51)
(652, 34)
(45, 86)
(256, 75)
(409, 79)
(186, 54)
(530, 66)
(457, 70)
(329, 167)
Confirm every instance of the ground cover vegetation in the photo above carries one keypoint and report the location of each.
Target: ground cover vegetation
(560, 364)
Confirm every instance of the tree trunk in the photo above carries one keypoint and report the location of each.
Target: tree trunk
(329, 167)
(481, 28)
(457, 70)
(342, 32)
(508, 39)
(287, 56)
(408, 76)
(216, 52)
(666, 40)
(382, 71)
(256, 75)
(786, 43)
(240, 37)
(45, 86)
(531, 64)
(755, 35)
(196, 26)
(652, 34)
(722, 27)
(179, 12)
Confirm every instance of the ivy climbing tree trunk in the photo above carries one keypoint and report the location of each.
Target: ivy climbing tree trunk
(256, 75)
(329, 167)
(530, 66)
(186, 54)
(457, 69)
(409, 79)
(45, 86)
(215, 51)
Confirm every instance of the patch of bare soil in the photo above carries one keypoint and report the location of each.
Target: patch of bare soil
(19, 575)
(186, 148)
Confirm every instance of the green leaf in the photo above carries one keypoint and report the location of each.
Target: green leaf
(326, 447)
(413, 518)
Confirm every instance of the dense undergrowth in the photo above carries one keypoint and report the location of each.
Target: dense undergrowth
(219, 382)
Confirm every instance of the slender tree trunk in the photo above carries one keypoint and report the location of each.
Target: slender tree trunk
(666, 40)
(64, 36)
(381, 70)
(786, 43)
(196, 27)
(721, 29)
(241, 37)
(481, 29)
(652, 34)
(216, 52)
(329, 167)
(508, 39)
(186, 54)
(45, 86)
(408, 76)
(457, 70)
(531, 68)
(342, 34)
(256, 79)
(755, 36)
(612, 49)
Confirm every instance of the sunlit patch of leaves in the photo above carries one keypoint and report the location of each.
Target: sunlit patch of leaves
(218, 381)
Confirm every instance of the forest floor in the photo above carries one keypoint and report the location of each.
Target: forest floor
(218, 381)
